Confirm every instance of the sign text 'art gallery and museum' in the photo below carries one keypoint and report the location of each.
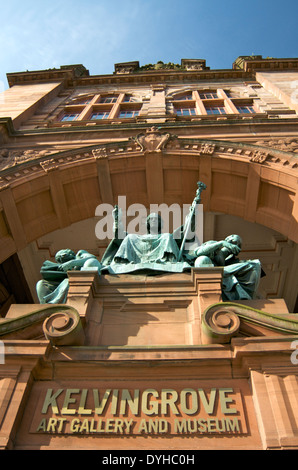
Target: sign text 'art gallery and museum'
(130, 412)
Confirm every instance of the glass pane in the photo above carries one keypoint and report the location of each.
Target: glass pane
(69, 117)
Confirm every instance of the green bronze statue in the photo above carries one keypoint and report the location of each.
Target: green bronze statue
(153, 252)
(53, 288)
(240, 278)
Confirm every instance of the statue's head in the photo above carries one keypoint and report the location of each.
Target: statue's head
(235, 240)
(64, 255)
(154, 223)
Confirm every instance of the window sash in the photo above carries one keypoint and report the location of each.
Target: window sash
(128, 113)
(186, 111)
(99, 115)
(247, 109)
(216, 110)
(69, 117)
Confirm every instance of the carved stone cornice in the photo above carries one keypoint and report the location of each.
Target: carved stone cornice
(17, 164)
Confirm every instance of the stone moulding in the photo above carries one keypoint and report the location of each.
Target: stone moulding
(224, 320)
(60, 324)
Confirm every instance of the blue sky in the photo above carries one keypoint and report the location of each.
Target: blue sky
(43, 34)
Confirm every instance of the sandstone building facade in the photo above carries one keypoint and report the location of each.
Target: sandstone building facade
(138, 361)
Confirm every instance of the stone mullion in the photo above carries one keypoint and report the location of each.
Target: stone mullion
(228, 103)
(87, 110)
(116, 108)
(199, 103)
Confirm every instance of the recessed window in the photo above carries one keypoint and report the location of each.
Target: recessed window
(210, 95)
(246, 109)
(69, 117)
(215, 110)
(100, 115)
(186, 111)
(128, 114)
(187, 96)
(108, 99)
(128, 99)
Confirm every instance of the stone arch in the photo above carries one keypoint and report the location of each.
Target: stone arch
(39, 196)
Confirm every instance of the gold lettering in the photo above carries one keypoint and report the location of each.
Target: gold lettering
(100, 428)
(110, 425)
(191, 425)
(74, 425)
(232, 424)
(100, 406)
(154, 404)
(190, 409)
(84, 425)
(224, 400)
(114, 402)
(201, 425)
(119, 426)
(60, 422)
(180, 425)
(50, 400)
(42, 425)
(51, 425)
(92, 425)
(169, 401)
(82, 410)
(211, 425)
(208, 405)
(132, 403)
(143, 426)
(128, 425)
(68, 400)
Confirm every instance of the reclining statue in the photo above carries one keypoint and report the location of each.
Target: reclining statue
(53, 288)
(240, 278)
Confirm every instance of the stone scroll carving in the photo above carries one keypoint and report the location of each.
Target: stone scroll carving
(61, 325)
(64, 328)
(222, 321)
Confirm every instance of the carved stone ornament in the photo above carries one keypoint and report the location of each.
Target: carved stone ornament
(223, 321)
(61, 325)
(289, 144)
(153, 140)
(100, 153)
(64, 328)
(259, 156)
(10, 158)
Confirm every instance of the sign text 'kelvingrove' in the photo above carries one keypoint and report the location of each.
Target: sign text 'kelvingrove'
(164, 411)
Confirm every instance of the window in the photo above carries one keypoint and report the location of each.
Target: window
(128, 113)
(245, 109)
(215, 110)
(208, 95)
(108, 99)
(186, 97)
(185, 111)
(100, 115)
(70, 116)
(128, 99)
